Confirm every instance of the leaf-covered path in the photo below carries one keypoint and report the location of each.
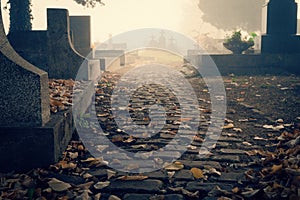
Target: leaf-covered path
(255, 157)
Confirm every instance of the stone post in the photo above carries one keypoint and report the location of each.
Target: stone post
(60, 47)
(281, 27)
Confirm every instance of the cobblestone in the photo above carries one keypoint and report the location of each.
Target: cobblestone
(224, 165)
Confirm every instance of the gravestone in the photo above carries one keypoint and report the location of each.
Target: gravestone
(279, 33)
(80, 27)
(58, 57)
(24, 89)
(30, 136)
(63, 60)
(110, 54)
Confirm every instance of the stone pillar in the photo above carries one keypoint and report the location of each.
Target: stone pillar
(80, 27)
(60, 47)
(281, 28)
(24, 89)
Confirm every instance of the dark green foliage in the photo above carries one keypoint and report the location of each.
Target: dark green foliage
(236, 44)
(20, 13)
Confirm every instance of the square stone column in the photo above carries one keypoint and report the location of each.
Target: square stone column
(281, 27)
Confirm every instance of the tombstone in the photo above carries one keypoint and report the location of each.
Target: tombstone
(80, 27)
(30, 136)
(102, 64)
(58, 57)
(63, 60)
(111, 55)
(25, 142)
(279, 33)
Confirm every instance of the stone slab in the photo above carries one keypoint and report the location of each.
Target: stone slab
(253, 64)
(149, 185)
(24, 148)
(206, 187)
(149, 196)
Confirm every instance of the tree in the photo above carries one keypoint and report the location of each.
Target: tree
(230, 14)
(20, 13)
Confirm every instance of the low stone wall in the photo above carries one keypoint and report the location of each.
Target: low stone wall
(250, 63)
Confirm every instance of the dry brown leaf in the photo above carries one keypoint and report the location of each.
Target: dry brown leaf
(198, 139)
(176, 166)
(130, 139)
(58, 186)
(117, 138)
(185, 119)
(197, 173)
(91, 159)
(133, 178)
(54, 102)
(276, 168)
(228, 126)
(235, 190)
(101, 185)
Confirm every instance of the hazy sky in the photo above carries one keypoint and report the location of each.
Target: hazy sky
(118, 16)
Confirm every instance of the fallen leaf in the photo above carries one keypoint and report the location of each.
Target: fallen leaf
(73, 155)
(58, 186)
(213, 171)
(190, 194)
(276, 168)
(235, 190)
(247, 144)
(176, 166)
(185, 119)
(139, 146)
(171, 174)
(239, 130)
(117, 138)
(133, 178)
(110, 173)
(259, 138)
(130, 139)
(197, 173)
(198, 139)
(250, 193)
(228, 126)
(101, 185)
(113, 197)
(85, 186)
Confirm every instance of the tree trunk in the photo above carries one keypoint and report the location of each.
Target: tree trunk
(20, 15)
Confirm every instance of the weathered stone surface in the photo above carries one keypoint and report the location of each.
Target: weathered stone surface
(148, 196)
(137, 196)
(24, 89)
(232, 151)
(205, 187)
(80, 27)
(231, 177)
(148, 185)
(162, 175)
(99, 173)
(201, 164)
(24, 148)
(60, 47)
(184, 175)
(224, 158)
(58, 57)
